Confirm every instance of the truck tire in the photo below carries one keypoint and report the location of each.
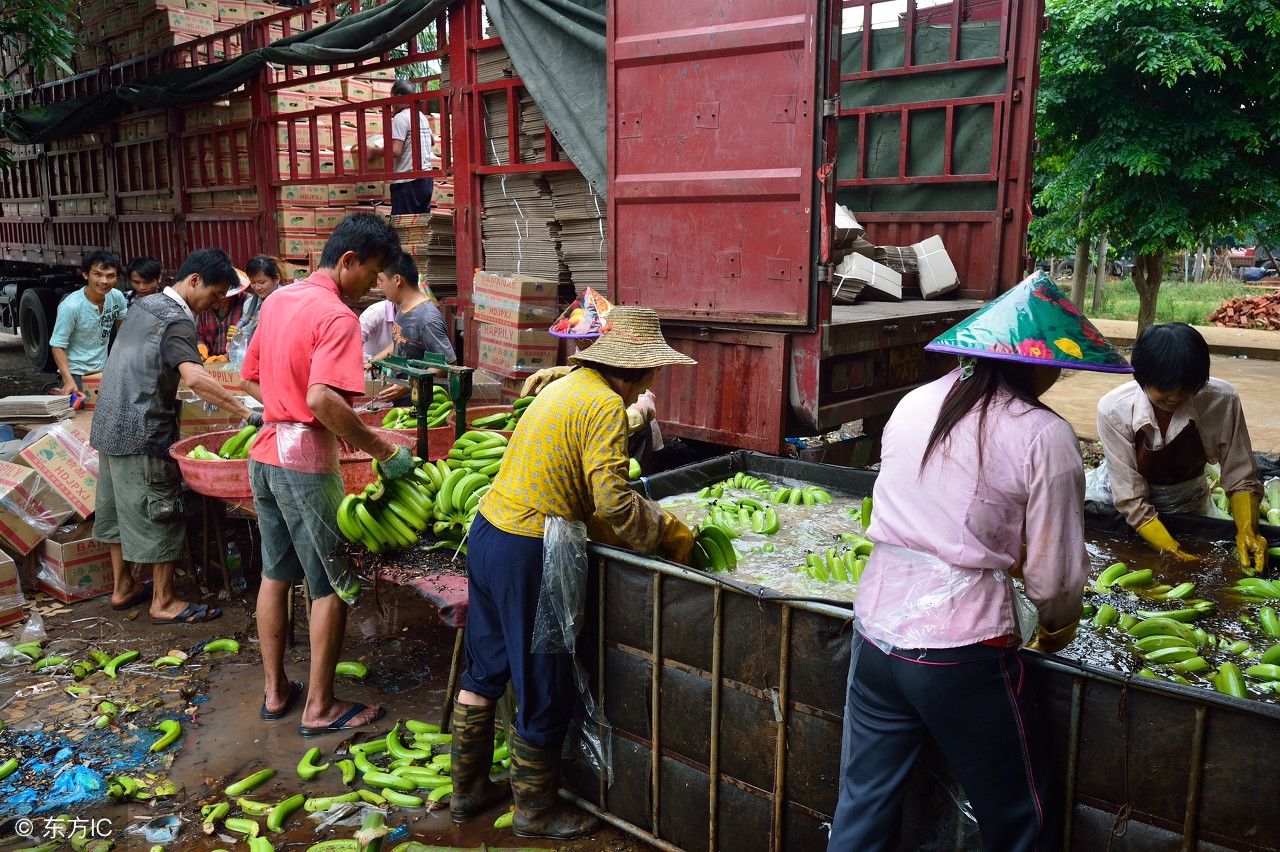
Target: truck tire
(36, 312)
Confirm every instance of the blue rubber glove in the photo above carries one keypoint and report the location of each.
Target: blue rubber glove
(398, 466)
(255, 419)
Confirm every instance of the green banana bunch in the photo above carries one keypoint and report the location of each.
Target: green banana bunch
(388, 515)
(713, 550)
(728, 521)
(747, 482)
(834, 566)
(506, 421)
(711, 492)
(203, 455)
(479, 451)
(237, 447)
(1257, 590)
(399, 418)
(807, 495)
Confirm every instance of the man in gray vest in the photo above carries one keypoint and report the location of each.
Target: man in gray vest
(139, 501)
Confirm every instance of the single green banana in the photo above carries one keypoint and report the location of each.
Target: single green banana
(113, 667)
(227, 645)
(282, 811)
(239, 825)
(1109, 576)
(213, 815)
(1229, 681)
(354, 670)
(251, 782)
(307, 768)
(324, 803)
(169, 730)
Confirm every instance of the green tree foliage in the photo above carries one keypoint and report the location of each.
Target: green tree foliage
(36, 32)
(1159, 123)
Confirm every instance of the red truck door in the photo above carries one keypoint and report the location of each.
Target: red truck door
(714, 111)
(713, 116)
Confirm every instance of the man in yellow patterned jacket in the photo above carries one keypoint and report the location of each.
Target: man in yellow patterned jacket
(567, 459)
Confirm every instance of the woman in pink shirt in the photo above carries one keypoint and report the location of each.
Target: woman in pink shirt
(979, 483)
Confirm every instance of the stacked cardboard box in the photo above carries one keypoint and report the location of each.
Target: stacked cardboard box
(512, 314)
(583, 230)
(116, 30)
(73, 566)
(518, 227)
(430, 238)
(11, 597)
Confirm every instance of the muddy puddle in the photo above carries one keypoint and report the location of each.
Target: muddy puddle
(216, 699)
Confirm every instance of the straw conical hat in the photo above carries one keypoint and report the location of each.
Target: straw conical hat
(632, 338)
(1034, 323)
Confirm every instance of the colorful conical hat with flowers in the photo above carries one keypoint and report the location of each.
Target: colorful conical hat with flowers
(1034, 323)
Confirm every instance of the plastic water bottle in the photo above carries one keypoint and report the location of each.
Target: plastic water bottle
(235, 570)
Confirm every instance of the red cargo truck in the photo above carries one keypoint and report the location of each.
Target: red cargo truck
(733, 131)
(735, 128)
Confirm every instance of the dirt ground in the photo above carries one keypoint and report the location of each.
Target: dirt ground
(216, 698)
(16, 375)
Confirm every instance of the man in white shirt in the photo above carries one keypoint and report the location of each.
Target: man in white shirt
(377, 328)
(409, 195)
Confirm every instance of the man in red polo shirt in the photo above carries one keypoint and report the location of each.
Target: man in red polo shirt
(304, 363)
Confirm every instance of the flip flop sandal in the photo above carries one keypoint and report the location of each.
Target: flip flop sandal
(340, 723)
(193, 614)
(142, 594)
(295, 690)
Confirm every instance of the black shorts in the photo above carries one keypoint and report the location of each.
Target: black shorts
(411, 196)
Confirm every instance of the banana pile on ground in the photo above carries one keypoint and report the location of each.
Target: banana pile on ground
(388, 514)
(503, 420)
(437, 414)
(235, 448)
(409, 768)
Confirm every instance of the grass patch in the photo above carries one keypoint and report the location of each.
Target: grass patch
(1177, 302)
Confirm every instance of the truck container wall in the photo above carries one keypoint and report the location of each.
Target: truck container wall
(734, 132)
(725, 702)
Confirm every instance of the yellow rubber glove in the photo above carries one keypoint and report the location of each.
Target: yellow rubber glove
(1250, 547)
(1051, 642)
(534, 384)
(677, 539)
(1157, 535)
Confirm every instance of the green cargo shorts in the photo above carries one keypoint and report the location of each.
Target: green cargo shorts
(139, 507)
(296, 518)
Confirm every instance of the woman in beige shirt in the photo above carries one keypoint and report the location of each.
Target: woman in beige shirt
(1159, 431)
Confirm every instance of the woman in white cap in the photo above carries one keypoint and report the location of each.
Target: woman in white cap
(567, 459)
(979, 482)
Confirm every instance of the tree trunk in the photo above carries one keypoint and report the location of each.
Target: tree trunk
(1147, 273)
(1078, 275)
(1100, 278)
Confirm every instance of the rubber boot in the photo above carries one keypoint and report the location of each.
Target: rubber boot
(471, 755)
(540, 812)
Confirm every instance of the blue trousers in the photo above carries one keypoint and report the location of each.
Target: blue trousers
(504, 572)
(976, 705)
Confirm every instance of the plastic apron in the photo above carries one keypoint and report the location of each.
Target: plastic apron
(920, 597)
